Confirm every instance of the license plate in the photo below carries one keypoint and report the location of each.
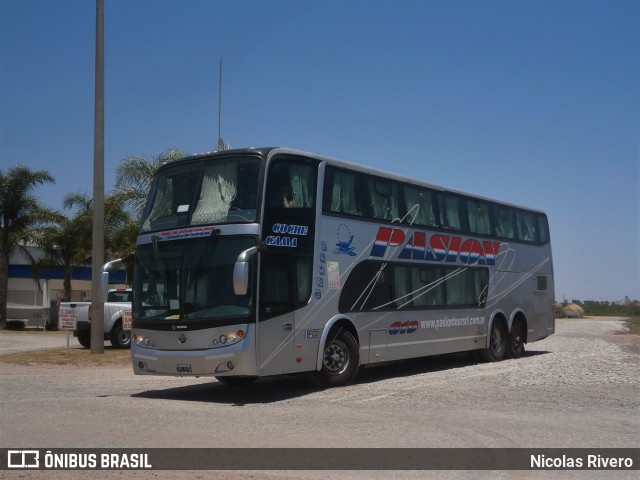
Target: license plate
(183, 368)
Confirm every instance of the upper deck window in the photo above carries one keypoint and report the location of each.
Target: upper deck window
(207, 192)
(342, 192)
(291, 185)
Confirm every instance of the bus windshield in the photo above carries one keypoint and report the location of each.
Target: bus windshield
(199, 193)
(176, 281)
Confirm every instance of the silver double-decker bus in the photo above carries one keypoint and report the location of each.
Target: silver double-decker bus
(270, 261)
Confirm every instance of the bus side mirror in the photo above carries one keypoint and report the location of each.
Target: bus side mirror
(241, 272)
(103, 289)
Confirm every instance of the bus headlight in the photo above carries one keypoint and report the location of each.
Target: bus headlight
(141, 341)
(228, 339)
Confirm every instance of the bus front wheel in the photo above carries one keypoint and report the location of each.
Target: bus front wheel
(340, 360)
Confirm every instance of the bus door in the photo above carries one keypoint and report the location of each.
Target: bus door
(277, 314)
(288, 232)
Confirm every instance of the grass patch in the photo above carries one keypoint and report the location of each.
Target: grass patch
(31, 331)
(633, 324)
(79, 357)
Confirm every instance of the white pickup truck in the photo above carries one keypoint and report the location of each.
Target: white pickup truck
(116, 301)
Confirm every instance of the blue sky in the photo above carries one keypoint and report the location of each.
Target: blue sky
(532, 102)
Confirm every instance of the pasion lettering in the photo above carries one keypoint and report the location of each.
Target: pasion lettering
(435, 248)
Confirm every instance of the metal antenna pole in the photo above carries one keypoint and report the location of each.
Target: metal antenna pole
(220, 142)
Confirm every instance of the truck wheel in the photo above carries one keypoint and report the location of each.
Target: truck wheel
(84, 338)
(340, 360)
(120, 338)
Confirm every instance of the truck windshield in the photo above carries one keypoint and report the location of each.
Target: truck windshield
(190, 280)
(203, 192)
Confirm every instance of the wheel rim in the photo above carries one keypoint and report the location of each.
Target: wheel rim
(497, 341)
(124, 337)
(516, 336)
(336, 357)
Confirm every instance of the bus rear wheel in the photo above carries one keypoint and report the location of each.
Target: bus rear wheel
(515, 348)
(497, 342)
(340, 360)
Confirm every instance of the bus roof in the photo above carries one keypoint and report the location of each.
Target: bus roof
(266, 152)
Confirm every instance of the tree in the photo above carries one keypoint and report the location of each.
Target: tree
(134, 176)
(121, 231)
(65, 244)
(68, 242)
(21, 214)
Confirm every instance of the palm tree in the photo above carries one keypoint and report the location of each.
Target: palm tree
(134, 176)
(69, 242)
(65, 244)
(21, 214)
(121, 231)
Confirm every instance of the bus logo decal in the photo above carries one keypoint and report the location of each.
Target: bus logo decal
(345, 238)
(312, 333)
(436, 248)
(187, 232)
(282, 228)
(403, 327)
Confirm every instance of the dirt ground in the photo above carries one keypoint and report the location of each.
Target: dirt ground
(579, 388)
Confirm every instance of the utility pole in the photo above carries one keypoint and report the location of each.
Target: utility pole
(97, 318)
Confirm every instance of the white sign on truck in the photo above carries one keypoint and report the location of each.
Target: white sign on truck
(126, 320)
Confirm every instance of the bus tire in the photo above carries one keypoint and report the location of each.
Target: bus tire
(340, 360)
(84, 337)
(498, 341)
(120, 338)
(515, 347)
(236, 381)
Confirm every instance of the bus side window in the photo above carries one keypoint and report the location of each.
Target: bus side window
(383, 199)
(450, 211)
(527, 230)
(277, 282)
(286, 283)
(292, 184)
(504, 222)
(479, 217)
(342, 192)
(467, 288)
(544, 229)
(419, 209)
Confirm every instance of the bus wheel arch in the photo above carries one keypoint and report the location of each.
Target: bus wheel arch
(517, 335)
(338, 355)
(497, 340)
